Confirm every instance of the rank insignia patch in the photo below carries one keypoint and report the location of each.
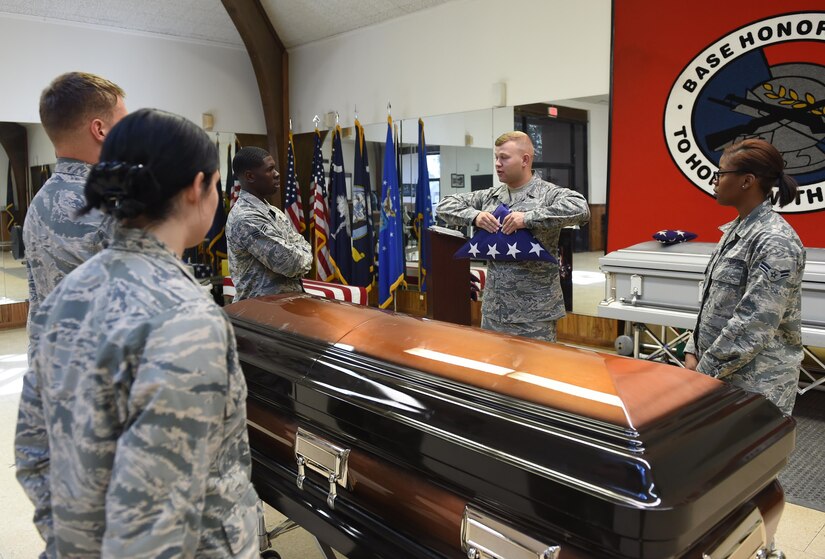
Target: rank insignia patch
(772, 273)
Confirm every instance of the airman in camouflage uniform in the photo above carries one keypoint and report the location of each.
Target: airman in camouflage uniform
(77, 111)
(749, 329)
(266, 254)
(57, 240)
(136, 375)
(521, 298)
(131, 437)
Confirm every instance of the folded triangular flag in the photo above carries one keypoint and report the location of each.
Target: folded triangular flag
(673, 236)
(516, 247)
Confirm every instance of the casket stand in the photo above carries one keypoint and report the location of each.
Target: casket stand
(650, 283)
(390, 436)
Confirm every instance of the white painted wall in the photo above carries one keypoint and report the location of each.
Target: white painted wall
(41, 150)
(442, 64)
(185, 77)
(447, 59)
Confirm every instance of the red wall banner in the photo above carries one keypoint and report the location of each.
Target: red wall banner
(689, 78)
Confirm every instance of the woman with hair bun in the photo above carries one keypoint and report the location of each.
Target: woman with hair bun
(749, 329)
(133, 417)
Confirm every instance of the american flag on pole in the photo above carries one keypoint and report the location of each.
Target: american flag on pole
(292, 196)
(320, 215)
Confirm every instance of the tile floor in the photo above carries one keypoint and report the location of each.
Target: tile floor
(801, 532)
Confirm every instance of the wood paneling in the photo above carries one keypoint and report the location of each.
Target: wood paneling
(588, 330)
(13, 315)
(411, 302)
(597, 229)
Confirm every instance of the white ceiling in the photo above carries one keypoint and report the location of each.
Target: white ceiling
(296, 21)
(303, 21)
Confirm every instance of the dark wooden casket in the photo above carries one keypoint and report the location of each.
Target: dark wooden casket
(391, 436)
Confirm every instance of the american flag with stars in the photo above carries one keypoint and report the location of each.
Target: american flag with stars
(518, 246)
(292, 195)
(320, 215)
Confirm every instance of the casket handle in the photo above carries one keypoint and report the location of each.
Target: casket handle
(484, 537)
(324, 457)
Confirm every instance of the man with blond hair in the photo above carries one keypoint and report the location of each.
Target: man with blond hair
(77, 111)
(520, 297)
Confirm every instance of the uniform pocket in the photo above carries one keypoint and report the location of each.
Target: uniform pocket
(730, 271)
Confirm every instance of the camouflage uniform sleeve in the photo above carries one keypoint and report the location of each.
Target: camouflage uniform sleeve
(690, 345)
(172, 433)
(34, 298)
(561, 207)
(461, 209)
(771, 277)
(31, 447)
(277, 246)
(31, 454)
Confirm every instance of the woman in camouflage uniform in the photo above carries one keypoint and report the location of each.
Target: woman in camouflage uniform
(749, 329)
(131, 439)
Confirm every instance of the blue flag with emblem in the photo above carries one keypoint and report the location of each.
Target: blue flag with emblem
(518, 246)
(339, 220)
(390, 242)
(363, 270)
(423, 210)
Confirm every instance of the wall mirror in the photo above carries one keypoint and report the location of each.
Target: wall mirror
(460, 159)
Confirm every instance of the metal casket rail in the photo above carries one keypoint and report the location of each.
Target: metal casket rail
(599, 455)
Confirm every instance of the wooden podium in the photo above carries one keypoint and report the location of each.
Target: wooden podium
(449, 281)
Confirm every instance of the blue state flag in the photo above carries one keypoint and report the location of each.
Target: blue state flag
(423, 210)
(363, 243)
(390, 242)
(339, 220)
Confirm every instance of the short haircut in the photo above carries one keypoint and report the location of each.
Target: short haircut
(248, 158)
(520, 138)
(74, 98)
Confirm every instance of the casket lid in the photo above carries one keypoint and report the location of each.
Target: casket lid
(627, 393)
(692, 257)
(652, 255)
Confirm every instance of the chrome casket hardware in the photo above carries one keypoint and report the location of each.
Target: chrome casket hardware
(483, 537)
(324, 457)
(746, 541)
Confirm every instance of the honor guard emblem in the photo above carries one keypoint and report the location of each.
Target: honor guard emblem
(763, 80)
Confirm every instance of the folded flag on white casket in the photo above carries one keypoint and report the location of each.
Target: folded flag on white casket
(518, 246)
(672, 236)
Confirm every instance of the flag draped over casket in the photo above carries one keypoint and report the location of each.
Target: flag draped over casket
(363, 244)
(518, 246)
(320, 216)
(423, 210)
(340, 238)
(292, 194)
(390, 242)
